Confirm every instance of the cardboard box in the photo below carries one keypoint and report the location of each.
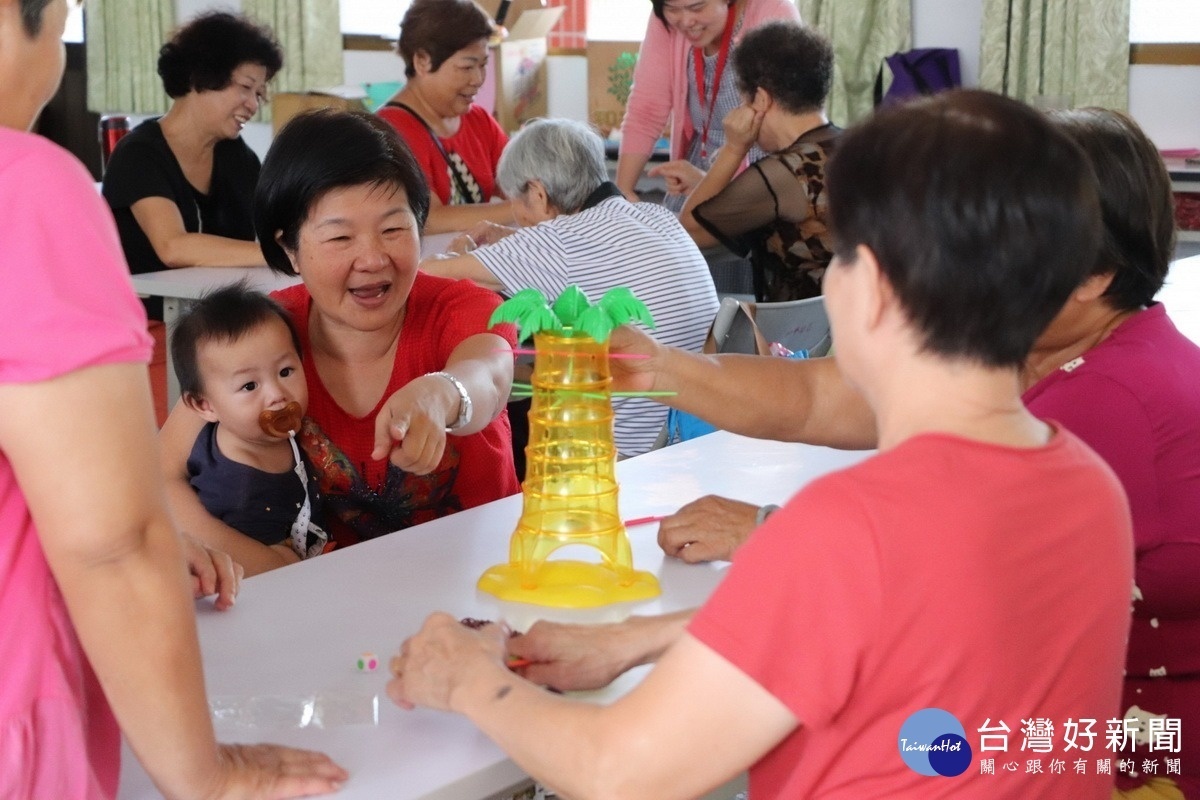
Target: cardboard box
(286, 105)
(519, 63)
(610, 75)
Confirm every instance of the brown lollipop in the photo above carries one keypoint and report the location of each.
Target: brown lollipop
(281, 422)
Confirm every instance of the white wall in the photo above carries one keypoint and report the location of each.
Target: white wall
(1164, 100)
(951, 23)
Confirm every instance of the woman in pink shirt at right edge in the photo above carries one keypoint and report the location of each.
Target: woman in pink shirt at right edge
(685, 39)
(1116, 372)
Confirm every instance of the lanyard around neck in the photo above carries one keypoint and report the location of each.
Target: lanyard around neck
(698, 62)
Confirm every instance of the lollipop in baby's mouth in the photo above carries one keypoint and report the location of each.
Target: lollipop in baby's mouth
(281, 422)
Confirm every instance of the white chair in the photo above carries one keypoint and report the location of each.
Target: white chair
(795, 324)
(742, 327)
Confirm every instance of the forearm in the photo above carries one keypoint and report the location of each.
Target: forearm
(461, 267)
(769, 398)
(581, 750)
(205, 250)
(643, 640)
(629, 171)
(451, 219)
(562, 743)
(134, 616)
(191, 516)
(722, 171)
(484, 364)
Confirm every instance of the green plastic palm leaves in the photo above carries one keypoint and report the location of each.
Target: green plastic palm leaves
(572, 312)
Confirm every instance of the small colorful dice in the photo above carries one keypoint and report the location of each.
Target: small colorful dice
(367, 662)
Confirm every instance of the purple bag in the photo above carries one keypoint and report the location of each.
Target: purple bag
(918, 72)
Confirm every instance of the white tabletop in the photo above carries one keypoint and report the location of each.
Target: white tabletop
(1181, 296)
(189, 283)
(296, 632)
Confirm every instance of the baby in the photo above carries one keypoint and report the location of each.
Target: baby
(237, 357)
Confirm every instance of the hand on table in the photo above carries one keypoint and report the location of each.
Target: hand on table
(572, 657)
(681, 176)
(213, 572)
(742, 126)
(488, 232)
(411, 427)
(708, 529)
(440, 658)
(271, 771)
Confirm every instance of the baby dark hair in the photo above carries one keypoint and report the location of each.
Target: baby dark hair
(223, 315)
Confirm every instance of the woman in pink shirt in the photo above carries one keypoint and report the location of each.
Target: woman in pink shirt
(685, 39)
(95, 599)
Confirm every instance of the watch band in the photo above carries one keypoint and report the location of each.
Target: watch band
(465, 407)
(763, 513)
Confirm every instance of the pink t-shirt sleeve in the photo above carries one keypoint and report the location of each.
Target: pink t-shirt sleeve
(66, 299)
(795, 614)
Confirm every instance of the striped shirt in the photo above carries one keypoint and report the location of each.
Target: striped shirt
(641, 246)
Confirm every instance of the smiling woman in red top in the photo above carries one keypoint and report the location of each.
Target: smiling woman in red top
(444, 44)
(395, 359)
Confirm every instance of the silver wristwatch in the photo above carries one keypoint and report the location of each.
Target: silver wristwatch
(465, 407)
(763, 513)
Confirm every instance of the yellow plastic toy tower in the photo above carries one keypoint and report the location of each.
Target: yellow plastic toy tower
(570, 488)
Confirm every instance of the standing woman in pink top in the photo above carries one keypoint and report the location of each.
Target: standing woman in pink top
(95, 598)
(683, 75)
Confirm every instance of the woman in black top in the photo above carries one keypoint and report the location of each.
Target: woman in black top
(181, 186)
(776, 211)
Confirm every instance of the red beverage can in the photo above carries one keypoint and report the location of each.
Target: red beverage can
(112, 128)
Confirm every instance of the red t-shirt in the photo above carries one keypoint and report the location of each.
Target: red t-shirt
(478, 144)
(992, 582)
(365, 498)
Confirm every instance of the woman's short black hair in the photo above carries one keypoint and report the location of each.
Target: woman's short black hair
(793, 62)
(440, 28)
(1135, 199)
(983, 217)
(322, 150)
(658, 8)
(203, 54)
(223, 315)
(31, 15)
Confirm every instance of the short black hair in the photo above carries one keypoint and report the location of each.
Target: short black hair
(1136, 202)
(203, 54)
(440, 28)
(983, 217)
(222, 315)
(31, 15)
(658, 8)
(793, 62)
(323, 150)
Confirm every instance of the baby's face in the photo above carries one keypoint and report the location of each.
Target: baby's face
(260, 372)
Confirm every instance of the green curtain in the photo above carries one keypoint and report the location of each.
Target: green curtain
(1054, 53)
(309, 31)
(863, 32)
(123, 38)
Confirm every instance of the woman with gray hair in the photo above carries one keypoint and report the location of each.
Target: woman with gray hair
(577, 228)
